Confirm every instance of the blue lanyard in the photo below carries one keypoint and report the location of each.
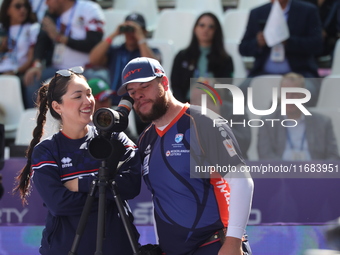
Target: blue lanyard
(68, 27)
(12, 44)
(289, 139)
(39, 6)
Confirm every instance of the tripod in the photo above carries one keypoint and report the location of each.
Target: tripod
(102, 183)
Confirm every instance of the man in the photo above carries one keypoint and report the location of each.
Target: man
(69, 31)
(296, 54)
(114, 58)
(312, 138)
(193, 215)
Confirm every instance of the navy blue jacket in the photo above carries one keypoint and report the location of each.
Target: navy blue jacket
(59, 159)
(305, 41)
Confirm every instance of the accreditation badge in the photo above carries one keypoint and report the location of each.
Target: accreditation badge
(277, 53)
(58, 53)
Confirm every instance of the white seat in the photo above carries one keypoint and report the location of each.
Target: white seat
(262, 97)
(113, 18)
(240, 70)
(27, 123)
(250, 4)
(336, 59)
(329, 92)
(12, 103)
(214, 6)
(166, 48)
(177, 26)
(148, 8)
(234, 24)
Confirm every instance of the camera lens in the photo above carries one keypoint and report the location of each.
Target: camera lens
(104, 119)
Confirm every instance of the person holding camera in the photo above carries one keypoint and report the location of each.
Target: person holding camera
(114, 58)
(196, 212)
(63, 169)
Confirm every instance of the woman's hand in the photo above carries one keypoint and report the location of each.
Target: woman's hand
(72, 185)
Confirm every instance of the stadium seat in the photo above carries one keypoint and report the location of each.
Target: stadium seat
(335, 70)
(166, 48)
(250, 4)
(234, 24)
(177, 26)
(27, 124)
(113, 18)
(240, 70)
(214, 6)
(329, 92)
(12, 103)
(148, 8)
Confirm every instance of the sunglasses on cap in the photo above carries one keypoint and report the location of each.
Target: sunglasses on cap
(18, 6)
(68, 72)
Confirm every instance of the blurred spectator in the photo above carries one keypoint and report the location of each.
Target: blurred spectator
(69, 31)
(296, 54)
(101, 93)
(204, 57)
(312, 138)
(241, 131)
(328, 11)
(18, 36)
(114, 58)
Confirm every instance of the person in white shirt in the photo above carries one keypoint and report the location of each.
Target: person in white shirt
(69, 32)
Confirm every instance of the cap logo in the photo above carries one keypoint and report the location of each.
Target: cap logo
(132, 72)
(158, 70)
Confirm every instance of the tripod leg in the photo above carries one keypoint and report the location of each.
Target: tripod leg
(125, 220)
(83, 218)
(101, 216)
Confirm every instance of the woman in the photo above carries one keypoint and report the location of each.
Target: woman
(19, 34)
(205, 57)
(62, 170)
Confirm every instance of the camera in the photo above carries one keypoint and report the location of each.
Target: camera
(108, 121)
(126, 29)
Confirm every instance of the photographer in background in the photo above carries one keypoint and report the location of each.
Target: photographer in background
(114, 58)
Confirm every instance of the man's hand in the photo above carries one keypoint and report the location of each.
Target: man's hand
(72, 185)
(50, 28)
(231, 246)
(34, 73)
(261, 42)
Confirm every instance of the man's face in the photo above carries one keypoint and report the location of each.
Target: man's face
(54, 6)
(150, 99)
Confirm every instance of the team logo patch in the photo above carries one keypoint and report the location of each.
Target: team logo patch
(178, 138)
(66, 162)
(148, 149)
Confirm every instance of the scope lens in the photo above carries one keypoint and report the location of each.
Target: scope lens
(104, 119)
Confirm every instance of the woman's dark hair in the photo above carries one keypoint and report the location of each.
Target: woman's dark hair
(217, 55)
(48, 93)
(5, 19)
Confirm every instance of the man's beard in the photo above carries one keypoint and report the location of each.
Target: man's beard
(159, 108)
